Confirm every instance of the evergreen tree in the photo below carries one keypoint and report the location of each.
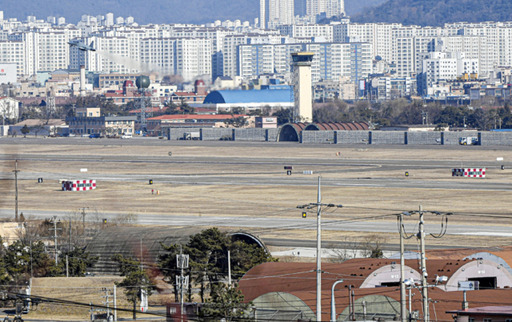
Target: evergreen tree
(78, 262)
(25, 130)
(207, 251)
(225, 304)
(136, 279)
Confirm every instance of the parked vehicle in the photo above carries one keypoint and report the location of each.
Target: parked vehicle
(469, 140)
(95, 136)
(191, 135)
(126, 136)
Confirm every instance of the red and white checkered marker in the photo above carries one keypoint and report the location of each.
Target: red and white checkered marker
(469, 172)
(78, 185)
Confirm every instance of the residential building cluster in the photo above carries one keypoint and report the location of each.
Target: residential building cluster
(351, 60)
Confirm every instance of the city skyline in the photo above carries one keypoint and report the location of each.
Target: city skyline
(72, 11)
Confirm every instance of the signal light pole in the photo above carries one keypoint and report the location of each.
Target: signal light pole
(318, 206)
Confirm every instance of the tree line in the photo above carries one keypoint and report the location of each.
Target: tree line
(403, 112)
(379, 114)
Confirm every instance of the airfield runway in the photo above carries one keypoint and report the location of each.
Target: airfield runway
(245, 186)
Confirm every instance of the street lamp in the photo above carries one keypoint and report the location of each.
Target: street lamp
(333, 305)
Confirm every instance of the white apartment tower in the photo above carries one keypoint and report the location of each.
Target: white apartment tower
(331, 8)
(109, 19)
(276, 12)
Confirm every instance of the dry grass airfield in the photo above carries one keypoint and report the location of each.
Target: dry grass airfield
(227, 161)
(235, 191)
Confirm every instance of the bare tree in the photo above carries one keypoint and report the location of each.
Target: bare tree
(372, 246)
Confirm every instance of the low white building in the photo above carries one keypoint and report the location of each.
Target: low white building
(9, 108)
(447, 66)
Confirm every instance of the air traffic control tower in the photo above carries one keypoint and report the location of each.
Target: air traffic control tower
(302, 88)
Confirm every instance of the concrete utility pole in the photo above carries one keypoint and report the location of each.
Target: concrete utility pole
(319, 254)
(181, 263)
(83, 222)
(115, 303)
(16, 189)
(107, 300)
(402, 266)
(229, 269)
(318, 206)
(424, 285)
(423, 264)
(55, 238)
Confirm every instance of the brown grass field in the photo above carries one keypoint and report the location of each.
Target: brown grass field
(266, 201)
(360, 203)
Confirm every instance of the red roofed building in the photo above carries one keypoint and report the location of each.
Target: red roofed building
(484, 314)
(371, 287)
(187, 97)
(155, 125)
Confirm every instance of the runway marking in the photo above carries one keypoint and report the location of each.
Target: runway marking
(487, 233)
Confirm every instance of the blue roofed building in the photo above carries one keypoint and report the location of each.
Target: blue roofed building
(225, 100)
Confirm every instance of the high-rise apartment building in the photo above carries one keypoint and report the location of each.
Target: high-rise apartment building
(329, 8)
(331, 61)
(276, 12)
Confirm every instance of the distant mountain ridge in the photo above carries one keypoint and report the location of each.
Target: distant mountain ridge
(437, 12)
(144, 12)
(150, 11)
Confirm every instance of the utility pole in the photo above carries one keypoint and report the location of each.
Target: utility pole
(402, 273)
(55, 238)
(424, 285)
(83, 222)
(107, 300)
(229, 269)
(181, 263)
(69, 236)
(423, 266)
(16, 189)
(319, 255)
(318, 206)
(115, 303)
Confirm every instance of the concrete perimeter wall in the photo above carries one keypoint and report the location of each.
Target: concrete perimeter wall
(419, 138)
(250, 134)
(352, 137)
(318, 137)
(385, 137)
(347, 137)
(213, 134)
(496, 138)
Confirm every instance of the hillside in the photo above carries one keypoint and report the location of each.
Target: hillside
(437, 12)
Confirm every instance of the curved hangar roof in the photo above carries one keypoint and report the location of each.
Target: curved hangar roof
(250, 96)
(131, 241)
(292, 131)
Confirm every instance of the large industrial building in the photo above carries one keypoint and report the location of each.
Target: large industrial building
(249, 99)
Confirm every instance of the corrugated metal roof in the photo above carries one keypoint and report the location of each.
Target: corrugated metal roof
(299, 279)
(250, 96)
